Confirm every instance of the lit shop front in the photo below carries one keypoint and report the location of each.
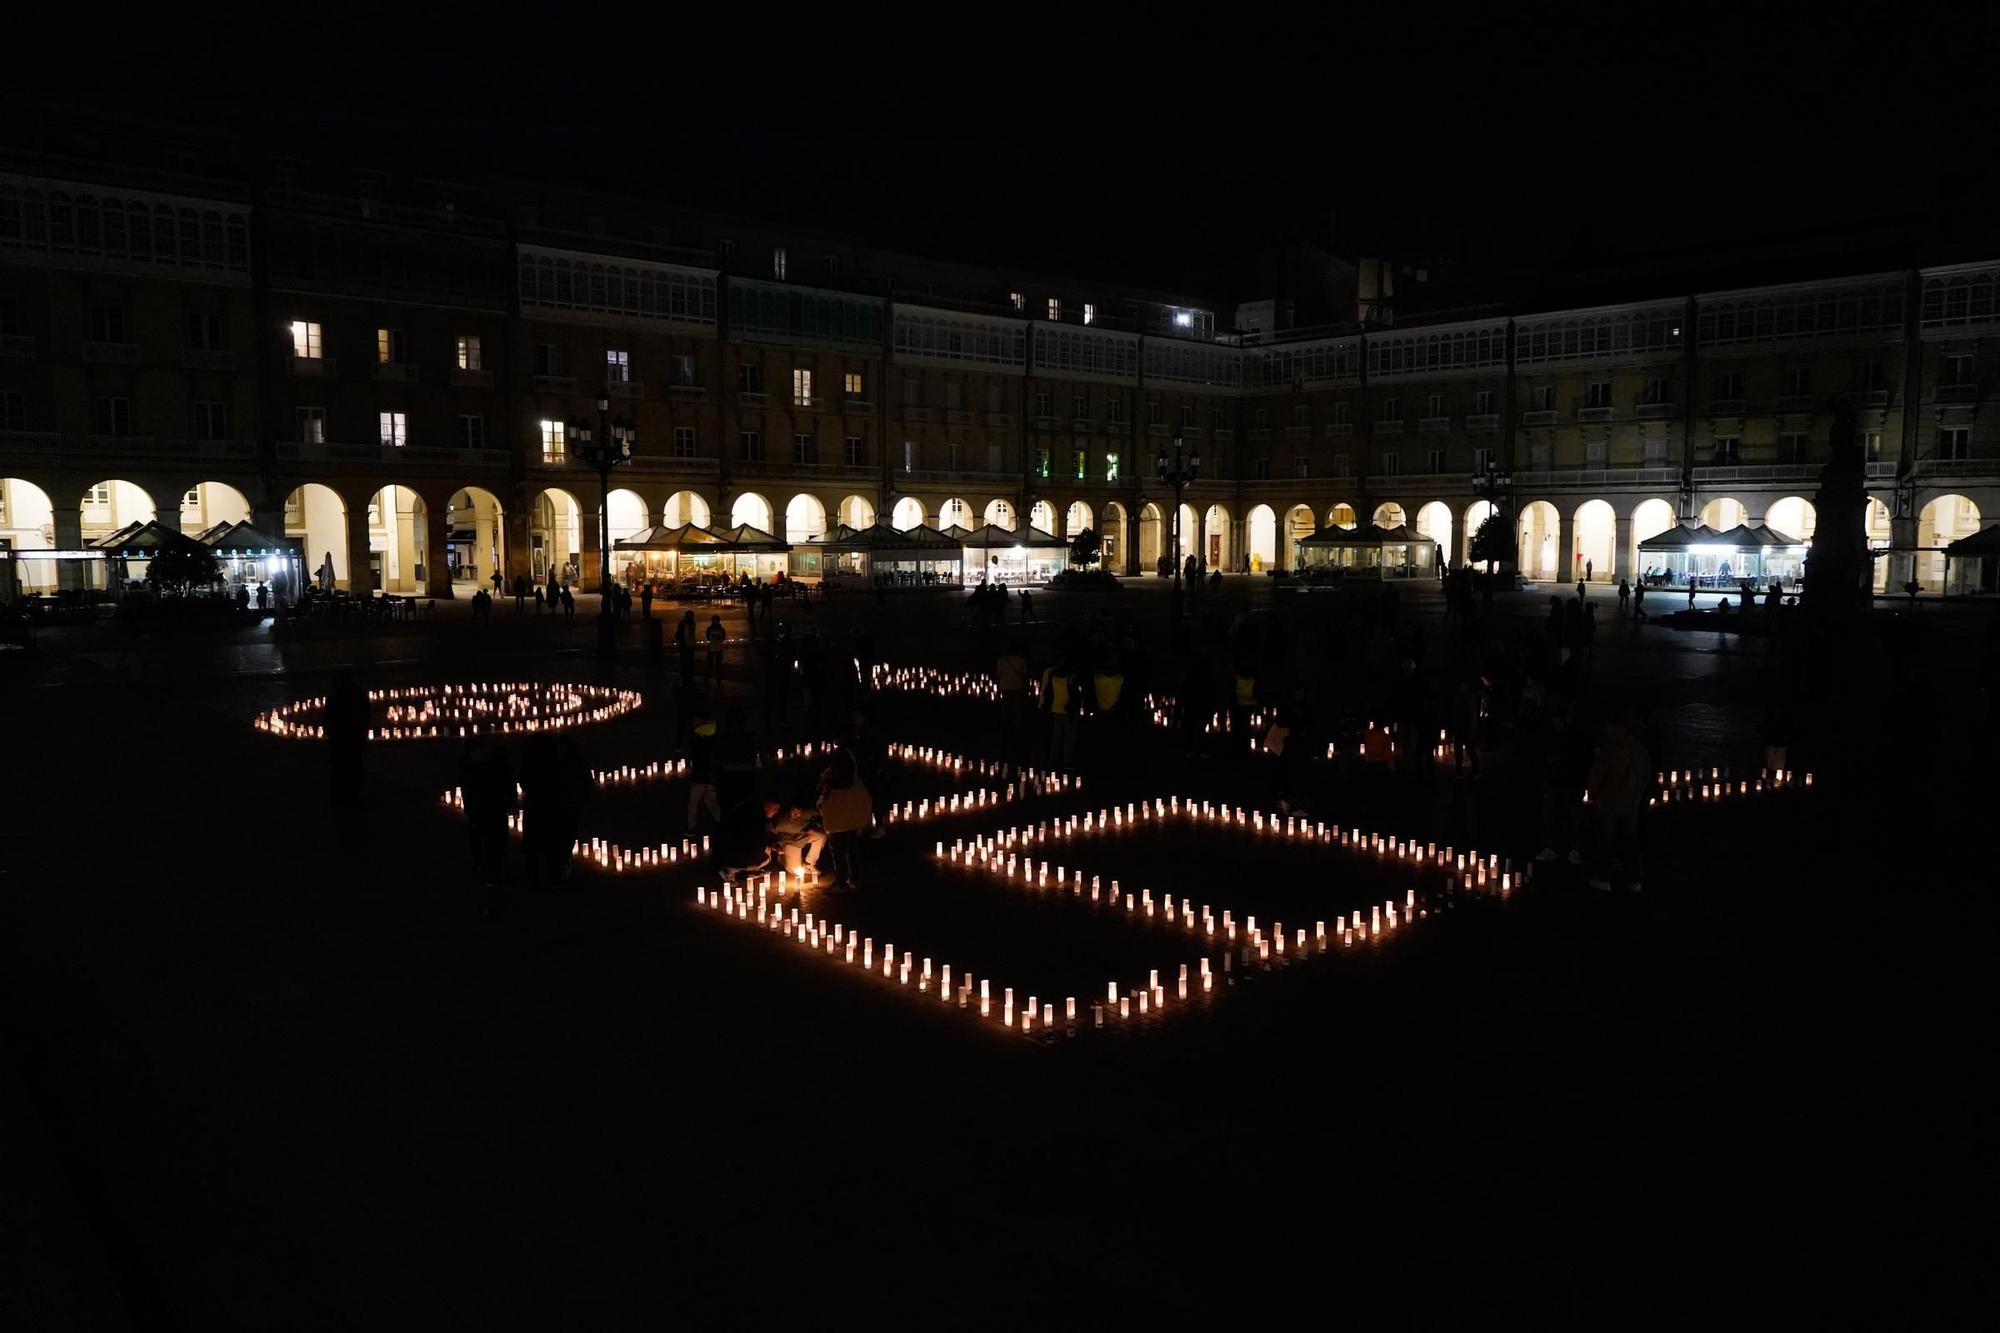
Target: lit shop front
(1368, 549)
(691, 553)
(1699, 556)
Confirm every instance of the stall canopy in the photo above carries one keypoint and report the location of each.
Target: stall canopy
(1397, 550)
(249, 554)
(1699, 554)
(880, 551)
(691, 550)
(143, 541)
(1972, 563)
(1026, 556)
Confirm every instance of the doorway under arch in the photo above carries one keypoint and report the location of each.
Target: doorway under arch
(1389, 514)
(1342, 516)
(1261, 535)
(317, 516)
(1596, 534)
(476, 538)
(1941, 522)
(1794, 516)
(555, 536)
(1150, 538)
(1539, 522)
(1649, 519)
(1724, 513)
(1075, 519)
(1298, 525)
(1434, 522)
(398, 533)
(956, 513)
(1476, 515)
(27, 522)
(1043, 516)
(1114, 535)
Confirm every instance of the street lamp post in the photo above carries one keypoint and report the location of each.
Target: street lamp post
(1177, 465)
(1492, 486)
(603, 447)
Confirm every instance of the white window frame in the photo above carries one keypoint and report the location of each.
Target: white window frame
(395, 429)
(308, 342)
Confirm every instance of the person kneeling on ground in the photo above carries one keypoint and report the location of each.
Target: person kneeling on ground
(798, 836)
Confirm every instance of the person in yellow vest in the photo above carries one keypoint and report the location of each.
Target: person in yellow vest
(1060, 703)
(1107, 712)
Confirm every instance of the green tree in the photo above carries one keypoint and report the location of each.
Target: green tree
(181, 568)
(1493, 541)
(1086, 548)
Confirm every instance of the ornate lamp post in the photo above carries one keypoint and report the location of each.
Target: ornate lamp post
(603, 447)
(1492, 486)
(1177, 465)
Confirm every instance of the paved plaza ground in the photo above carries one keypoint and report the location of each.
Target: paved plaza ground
(263, 1065)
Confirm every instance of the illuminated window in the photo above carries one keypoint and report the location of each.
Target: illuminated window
(1020, 301)
(306, 340)
(395, 431)
(1111, 467)
(802, 388)
(1042, 463)
(1055, 307)
(471, 431)
(312, 425)
(389, 346)
(684, 442)
(778, 261)
(97, 499)
(1089, 313)
(617, 366)
(909, 455)
(854, 385)
(468, 351)
(554, 448)
(1080, 464)
(1183, 319)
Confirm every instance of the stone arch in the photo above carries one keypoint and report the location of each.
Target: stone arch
(1299, 523)
(1596, 534)
(1650, 518)
(684, 507)
(805, 518)
(1476, 515)
(1000, 514)
(398, 540)
(1537, 532)
(1151, 537)
(1043, 516)
(1794, 516)
(856, 511)
(28, 522)
(316, 514)
(106, 506)
(556, 536)
(1342, 516)
(753, 509)
(1434, 521)
(1260, 533)
(209, 504)
(1389, 514)
(908, 513)
(1076, 518)
(1943, 520)
(1116, 532)
(476, 533)
(1724, 512)
(1190, 534)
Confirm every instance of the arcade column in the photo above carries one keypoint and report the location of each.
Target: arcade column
(360, 581)
(1565, 549)
(437, 555)
(67, 521)
(1621, 549)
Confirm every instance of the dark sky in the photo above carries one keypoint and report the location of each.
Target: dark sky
(1509, 140)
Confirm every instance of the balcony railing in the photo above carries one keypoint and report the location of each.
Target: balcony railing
(1757, 472)
(395, 372)
(1725, 407)
(1655, 411)
(626, 389)
(1873, 398)
(1598, 476)
(1043, 423)
(555, 383)
(687, 390)
(854, 405)
(1433, 424)
(1341, 428)
(1483, 421)
(1958, 467)
(115, 354)
(207, 358)
(1594, 413)
(752, 398)
(1081, 425)
(1117, 427)
(471, 379)
(957, 417)
(1796, 402)
(1957, 393)
(315, 367)
(1541, 417)
(1389, 428)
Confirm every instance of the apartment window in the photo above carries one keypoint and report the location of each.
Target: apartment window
(853, 385)
(1261, 418)
(1080, 407)
(1871, 445)
(1080, 464)
(1791, 448)
(617, 367)
(1089, 313)
(1598, 394)
(211, 421)
(1871, 379)
(1435, 406)
(1391, 464)
(1055, 307)
(728, 249)
(954, 395)
(395, 429)
(749, 378)
(97, 499)
(830, 265)
(312, 425)
(1955, 443)
(468, 352)
(1020, 302)
(389, 346)
(802, 388)
(1656, 391)
(1436, 461)
(1482, 461)
(909, 455)
(684, 442)
(1111, 467)
(1260, 469)
(1301, 466)
(1043, 407)
(1956, 369)
(114, 415)
(913, 391)
(1728, 451)
(306, 340)
(1798, 381)
(1153, 412)
(205, 330)
(684, 369)
(1392, 409)
(805, 449)
(854, 449)
(1042, 463)
(1482, 402)
(471, 431)
(1187, 415)
(107, 323)
(13, 416)
(1301, 414)
(1340, 417)
(1114, 408)
(1545, 397)
(548, 359)
(750, 446)
(554, 448)
(1728, 384)
(996, 458)
(778, 262)
(1343, 466)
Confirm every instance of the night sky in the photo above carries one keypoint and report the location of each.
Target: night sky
(1513, 144)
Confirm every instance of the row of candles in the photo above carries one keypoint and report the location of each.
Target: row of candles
(429, 712)
(1682, 786)
(933, 757)
(605, 854)
(931, 680)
